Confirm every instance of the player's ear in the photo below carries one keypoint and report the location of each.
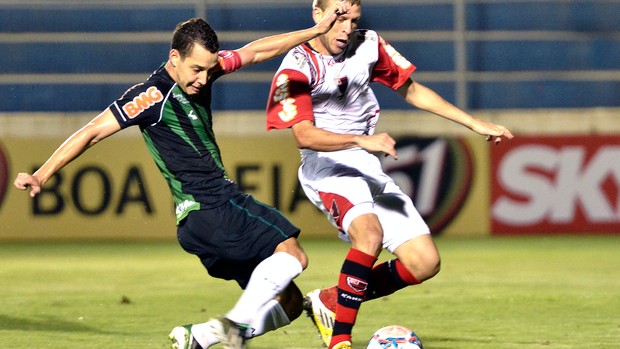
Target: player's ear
(317, 14)
(174, 57)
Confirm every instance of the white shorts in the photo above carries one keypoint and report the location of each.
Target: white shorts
(349, 183)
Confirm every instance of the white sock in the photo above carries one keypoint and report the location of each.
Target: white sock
(204, 335)
(270, 317)
(269, 278)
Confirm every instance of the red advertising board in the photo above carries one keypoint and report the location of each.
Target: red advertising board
(556, 185)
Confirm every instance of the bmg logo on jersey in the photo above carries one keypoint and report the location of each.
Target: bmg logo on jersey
(142, 102)
(4, 173)
(436, 173)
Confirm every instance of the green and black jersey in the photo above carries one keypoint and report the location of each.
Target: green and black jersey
(178, 132)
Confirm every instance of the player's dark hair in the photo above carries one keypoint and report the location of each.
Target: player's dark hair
(322, 4)
(194, 31)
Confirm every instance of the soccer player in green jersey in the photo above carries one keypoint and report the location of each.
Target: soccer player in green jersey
(235, 236)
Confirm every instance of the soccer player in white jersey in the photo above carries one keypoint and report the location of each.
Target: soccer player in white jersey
(321, 91)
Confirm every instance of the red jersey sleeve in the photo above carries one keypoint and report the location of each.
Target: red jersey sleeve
(391, 69)
(229, 61)
(289, 100)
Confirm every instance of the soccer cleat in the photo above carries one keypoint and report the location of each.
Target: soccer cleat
(317, 305)
(182, 338)
(230, 334)
(343, 345)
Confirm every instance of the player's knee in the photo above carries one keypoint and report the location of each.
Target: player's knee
(421, 260)
(366, 234)
(301, 256)
(433, 266)
(303, 260)
(292, 247)
(422, 267)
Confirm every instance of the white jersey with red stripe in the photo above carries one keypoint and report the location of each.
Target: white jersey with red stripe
(341, 100)
(334, 93)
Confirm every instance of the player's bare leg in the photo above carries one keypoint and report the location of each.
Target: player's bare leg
(420, 256)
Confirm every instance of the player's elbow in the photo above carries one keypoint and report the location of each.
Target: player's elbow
(303, 143)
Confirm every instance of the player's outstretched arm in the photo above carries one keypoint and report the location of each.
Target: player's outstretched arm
(424, 98)
(102, 126)
(272, 46)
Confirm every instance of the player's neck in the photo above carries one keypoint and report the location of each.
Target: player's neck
(170, 69)
(317, 47)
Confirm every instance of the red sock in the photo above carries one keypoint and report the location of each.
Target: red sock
(389, 277)
(352, 285)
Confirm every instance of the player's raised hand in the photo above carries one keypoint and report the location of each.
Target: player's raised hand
(24, 181)
(330, 15)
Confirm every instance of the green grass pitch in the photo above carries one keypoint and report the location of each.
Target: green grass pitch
(492, 293)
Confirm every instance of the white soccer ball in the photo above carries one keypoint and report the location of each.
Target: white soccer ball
(394, 337)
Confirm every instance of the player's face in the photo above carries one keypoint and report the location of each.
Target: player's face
(336, 39)
(193, 71)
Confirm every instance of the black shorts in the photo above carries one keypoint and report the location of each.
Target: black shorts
(232, 239)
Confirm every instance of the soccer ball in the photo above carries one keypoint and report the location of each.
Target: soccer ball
(394, 337)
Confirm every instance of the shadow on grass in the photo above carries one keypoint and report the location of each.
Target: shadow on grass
(451, 342)
(45, 324)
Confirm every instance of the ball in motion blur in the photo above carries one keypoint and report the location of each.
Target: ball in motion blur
(394, 337)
